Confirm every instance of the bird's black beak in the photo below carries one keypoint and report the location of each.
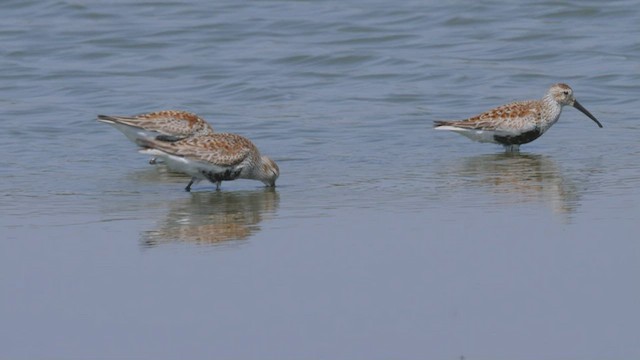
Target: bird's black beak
(577, 105)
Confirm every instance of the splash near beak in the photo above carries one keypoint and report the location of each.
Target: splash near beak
(577, 105)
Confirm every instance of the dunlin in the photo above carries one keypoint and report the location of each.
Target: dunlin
(519, 122)
(215, 157)
(166, 125)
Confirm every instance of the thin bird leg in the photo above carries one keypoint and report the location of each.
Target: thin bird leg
(512, 148)
(188, 188)
(218, 185)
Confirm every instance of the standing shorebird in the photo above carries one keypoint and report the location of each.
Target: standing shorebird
(215, 157)
(167, 125)
(519, 122)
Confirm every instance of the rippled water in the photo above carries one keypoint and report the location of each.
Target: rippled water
(384, 239)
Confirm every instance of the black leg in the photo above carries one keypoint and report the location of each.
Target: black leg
(188, 188)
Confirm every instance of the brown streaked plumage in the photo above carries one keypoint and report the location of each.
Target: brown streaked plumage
(215, 157)
(165, 125)
(174, 124)
(519, 122)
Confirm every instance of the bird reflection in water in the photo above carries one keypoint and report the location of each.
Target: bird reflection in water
(521, 178)
(208, 218)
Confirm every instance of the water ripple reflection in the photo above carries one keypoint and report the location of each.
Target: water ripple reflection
(208, 218)
(518, 178)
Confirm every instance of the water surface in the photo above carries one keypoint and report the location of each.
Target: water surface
(383, 239)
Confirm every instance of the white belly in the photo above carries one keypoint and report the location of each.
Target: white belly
(184, 165)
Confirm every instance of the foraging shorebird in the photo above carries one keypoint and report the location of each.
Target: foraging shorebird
(167, 125)
(215, 157)
(519, 122)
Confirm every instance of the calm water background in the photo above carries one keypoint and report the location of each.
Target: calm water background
(384, 239)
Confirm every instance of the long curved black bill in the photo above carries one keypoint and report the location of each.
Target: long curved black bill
(577, 105)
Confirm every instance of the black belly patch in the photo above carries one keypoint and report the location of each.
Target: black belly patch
(523, 138)
(227, 175)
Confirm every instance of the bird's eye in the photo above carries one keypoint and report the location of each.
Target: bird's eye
(565, 92)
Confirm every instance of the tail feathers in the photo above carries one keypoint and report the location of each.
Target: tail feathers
(127, 120)
(461, 125)
(155, 144)
(107, 118)
(441, 123)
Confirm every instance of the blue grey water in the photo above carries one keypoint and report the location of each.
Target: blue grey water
(384, 239)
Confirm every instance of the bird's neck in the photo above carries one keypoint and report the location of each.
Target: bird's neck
(551, 111)
(253, 168)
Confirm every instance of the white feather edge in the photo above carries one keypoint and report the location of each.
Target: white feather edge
(131, 132)
(486, 136)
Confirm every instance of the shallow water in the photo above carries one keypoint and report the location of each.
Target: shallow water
(383, 239)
